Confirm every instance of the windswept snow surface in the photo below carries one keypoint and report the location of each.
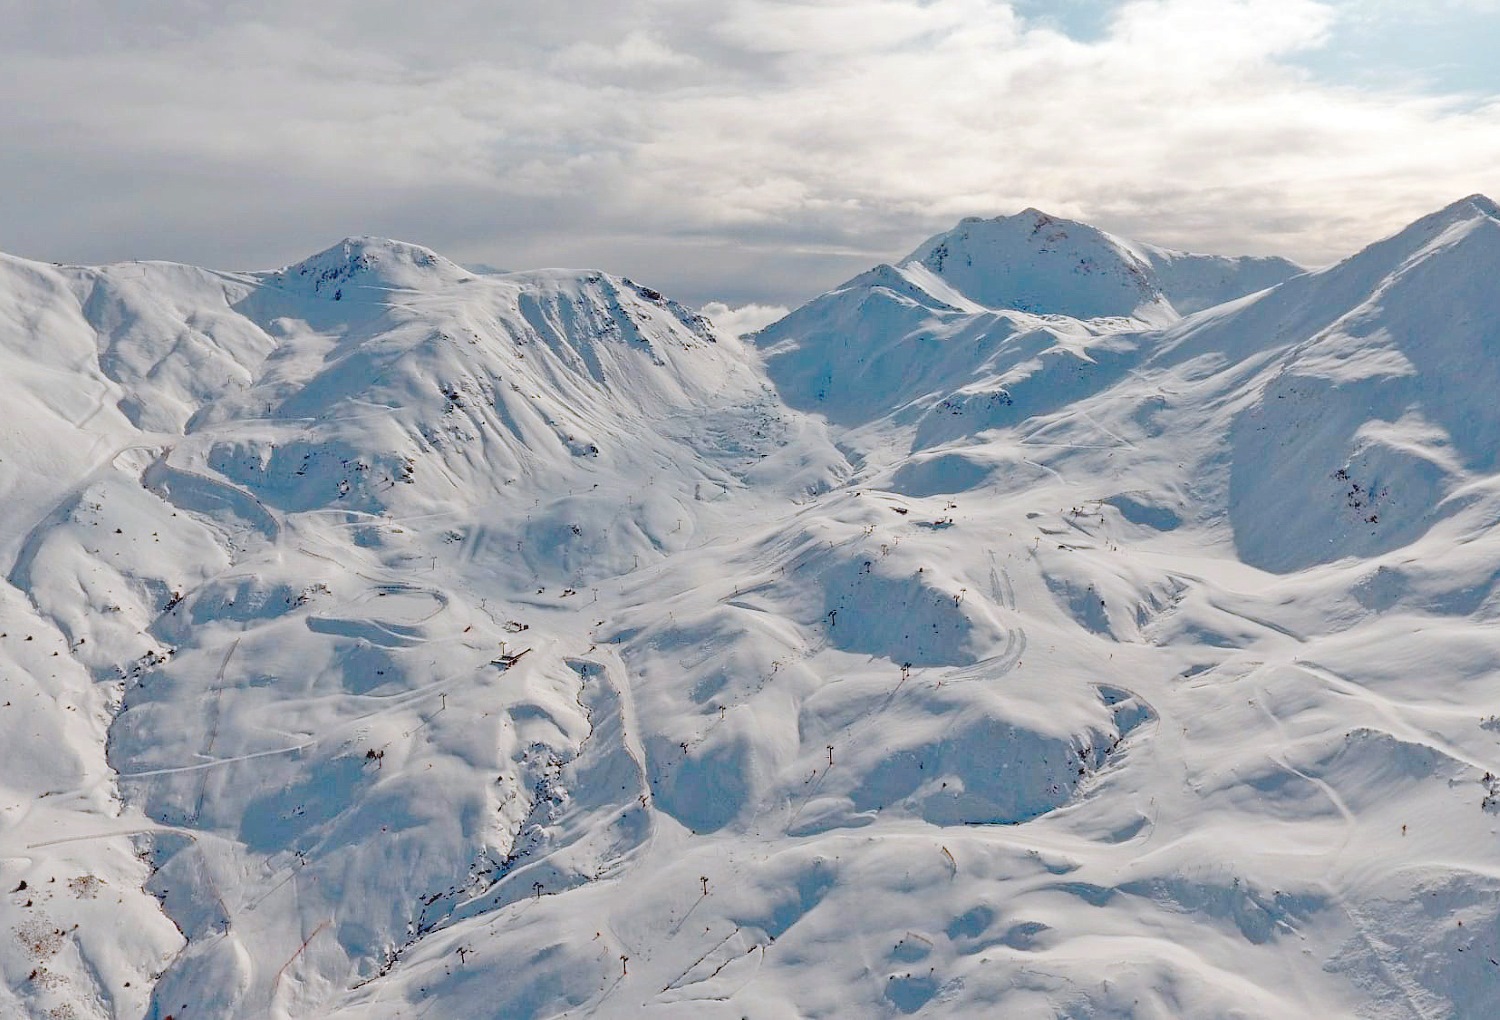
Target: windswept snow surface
(387, 640)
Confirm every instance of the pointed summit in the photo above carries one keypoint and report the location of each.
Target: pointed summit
(1460, 241)
(1449, 256)
(1470, 210)
(1475, 203)
(368, 263)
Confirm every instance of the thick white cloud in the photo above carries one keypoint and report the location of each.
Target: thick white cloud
(744, 319)
(749, 149)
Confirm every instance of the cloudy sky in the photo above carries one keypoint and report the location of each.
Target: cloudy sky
(733, 150)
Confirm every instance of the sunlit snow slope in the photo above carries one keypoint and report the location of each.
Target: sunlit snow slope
(986, 639)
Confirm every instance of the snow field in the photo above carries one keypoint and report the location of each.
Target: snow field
(384, 640)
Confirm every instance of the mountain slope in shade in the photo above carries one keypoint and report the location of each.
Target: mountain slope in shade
(1193, 282)
(1373, 371)
(387, 640)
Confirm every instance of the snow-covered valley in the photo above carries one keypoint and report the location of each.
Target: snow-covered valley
(1047, 625)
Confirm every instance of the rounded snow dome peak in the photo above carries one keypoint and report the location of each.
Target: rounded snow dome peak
(1035, 262)
(367, 262)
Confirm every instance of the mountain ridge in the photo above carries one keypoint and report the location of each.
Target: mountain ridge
(381, 638)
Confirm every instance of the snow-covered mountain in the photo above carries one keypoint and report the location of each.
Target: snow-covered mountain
(966, 304)
(1032, 262)
(1047, 625)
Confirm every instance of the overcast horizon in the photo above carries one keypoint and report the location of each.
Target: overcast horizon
(745, 152)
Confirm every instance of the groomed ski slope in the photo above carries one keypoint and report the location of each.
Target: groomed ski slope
(1045, 625)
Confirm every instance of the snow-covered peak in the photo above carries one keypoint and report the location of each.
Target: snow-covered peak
(1410, 275)
(358, 264)
(1378, 372)
(1439, 229)
(1035, 262)
(1470, 206)
(1465, 234)
(912, 335)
